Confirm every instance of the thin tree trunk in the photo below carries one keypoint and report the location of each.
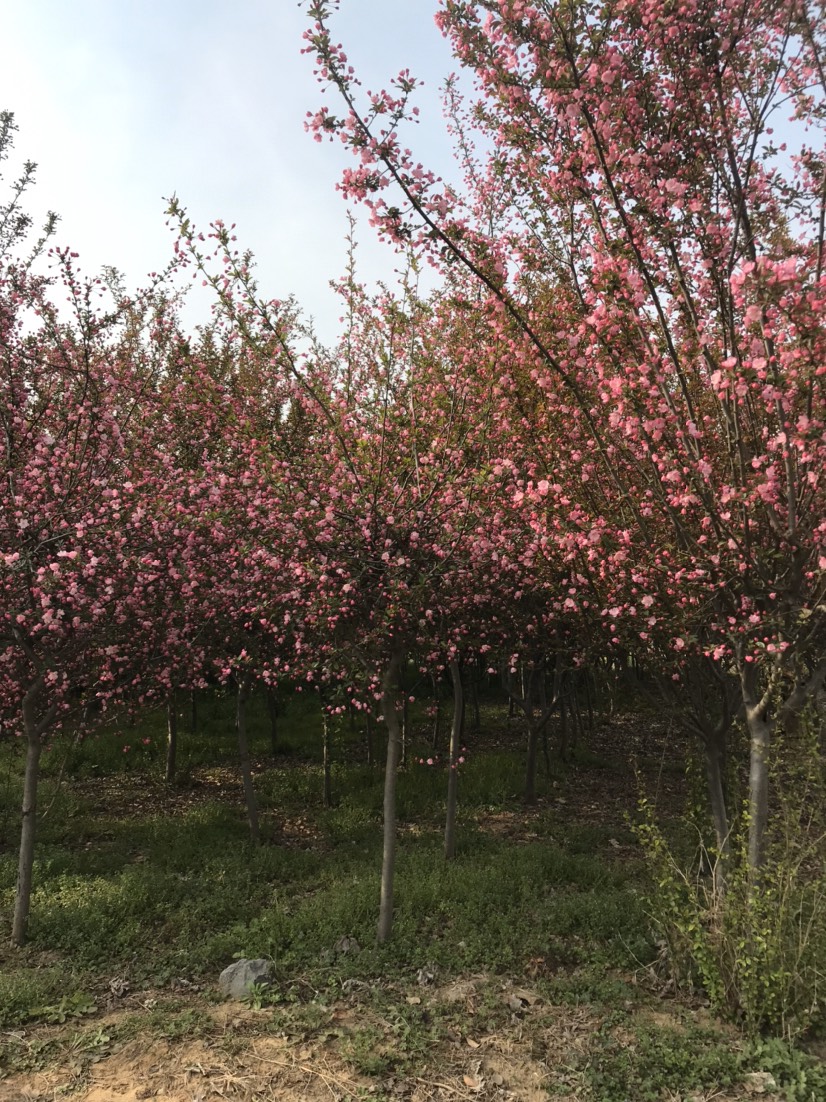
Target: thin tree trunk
(325, 749)
(533, 689)
(474, 699)
(546, 751)
(759, 728)
(576, 718)
(241, 699)
(543, 707)
(453, 767)
(27, 835)
(405, 728)
(394, 745)
(611, 681)
(463, 717)
(193, 712)
(34, 738)
(760, 735)
(714, 757)
(171, 739)
(541, 692)
(529, 698)
(589, 703)
(563, 729)
(368, 737)
(437, 719)
(530, 765)
(272, 712)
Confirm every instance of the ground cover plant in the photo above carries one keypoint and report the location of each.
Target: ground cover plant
(528, 963)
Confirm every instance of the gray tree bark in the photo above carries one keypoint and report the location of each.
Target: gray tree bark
(171, 740)
(394, 747)
(453, 756)
(368, 736)
(241, 699)
(437, 699)
(34, 729)
(714, 750)
(325, 748)
(761, 728)
(272, 711)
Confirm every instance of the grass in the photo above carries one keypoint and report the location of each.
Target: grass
(660, 1059)
(135, 880)
(194, 891)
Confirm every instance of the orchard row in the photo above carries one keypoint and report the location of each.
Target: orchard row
(603, 434)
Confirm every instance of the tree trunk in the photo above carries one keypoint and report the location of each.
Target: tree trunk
(34, 739)
(590, 704)
(193, 712)
(463, 717)
(533, 689)
(576, 716)
(529, 698)
(563, 729)
(543, 707)
(27, 834)
(242, 697)
(760, 735)
(394, 745)
(272, 711)
(760, 729)
(437, 696)
(369, 737)
(453, 768)
(171, 739)
(714, 757)
(405, 728)
(325, 750)
(530, 764)
(474, 700)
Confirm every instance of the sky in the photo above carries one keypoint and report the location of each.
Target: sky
(124, 102)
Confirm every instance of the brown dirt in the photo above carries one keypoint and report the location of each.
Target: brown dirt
(238, 1057)
(241, 1060)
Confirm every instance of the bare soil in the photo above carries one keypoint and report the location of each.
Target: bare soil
(236, 1056)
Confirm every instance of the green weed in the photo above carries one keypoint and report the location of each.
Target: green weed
(657, 1060)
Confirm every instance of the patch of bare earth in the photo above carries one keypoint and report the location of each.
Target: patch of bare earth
(237, 1060)
(268, 1068)
(527, 1050)
(241, 1059)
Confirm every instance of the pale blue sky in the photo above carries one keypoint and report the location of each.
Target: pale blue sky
(122, 102)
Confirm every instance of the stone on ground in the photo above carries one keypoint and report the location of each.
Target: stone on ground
(239, 978)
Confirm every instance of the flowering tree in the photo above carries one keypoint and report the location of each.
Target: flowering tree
(381, 495)
(75, 620)
(82, 484)
(658, 261)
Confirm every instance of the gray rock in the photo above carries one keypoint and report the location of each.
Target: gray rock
(239, 978)
(425, 976)
(346, 945)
